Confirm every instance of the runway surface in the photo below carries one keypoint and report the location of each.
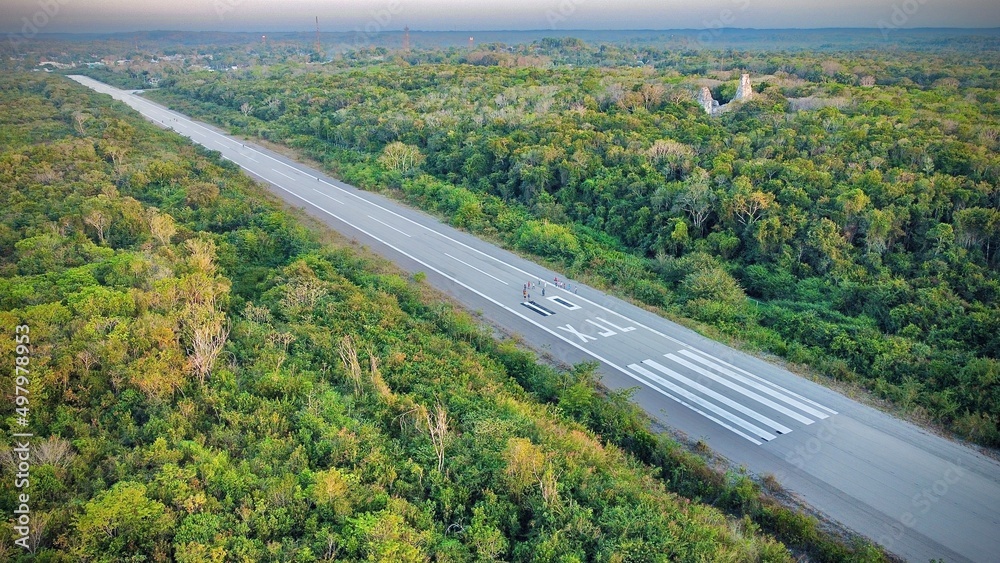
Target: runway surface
(919, 495)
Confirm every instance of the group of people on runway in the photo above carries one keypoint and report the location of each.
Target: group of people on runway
(526, 289)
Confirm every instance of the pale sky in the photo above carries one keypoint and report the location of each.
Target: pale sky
(55, 16)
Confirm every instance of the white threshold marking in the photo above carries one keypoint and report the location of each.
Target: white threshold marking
(390, 226)
(653, 376)
(779, 393)
(476, 269)
(777, 426)
(710, 406)
(741, 390)
(761, 379)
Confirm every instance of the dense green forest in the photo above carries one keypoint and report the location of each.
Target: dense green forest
(210, 382)
(847, 218)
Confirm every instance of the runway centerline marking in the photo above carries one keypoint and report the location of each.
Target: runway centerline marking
(317, 190)
(407, 235)
(285, 175)
(476, 269)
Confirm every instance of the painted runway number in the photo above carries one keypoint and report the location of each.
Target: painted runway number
(603, 328)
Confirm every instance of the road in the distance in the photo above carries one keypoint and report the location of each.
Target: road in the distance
(919, 495)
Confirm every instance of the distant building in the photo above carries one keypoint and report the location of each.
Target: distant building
(745, 91)
(706, 101)
(711, 106)
(55, 64)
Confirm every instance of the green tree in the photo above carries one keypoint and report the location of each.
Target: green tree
(696, 198)
(122, 524)
(548, 239)
(401, 157)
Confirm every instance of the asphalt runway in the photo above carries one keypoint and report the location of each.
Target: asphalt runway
(919, 495)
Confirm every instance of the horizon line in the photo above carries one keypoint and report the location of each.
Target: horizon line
(532, 30)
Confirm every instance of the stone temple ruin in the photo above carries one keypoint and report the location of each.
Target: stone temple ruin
(711, 105)
(745, 91)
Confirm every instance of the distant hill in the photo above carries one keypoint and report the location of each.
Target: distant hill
(724, 38)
